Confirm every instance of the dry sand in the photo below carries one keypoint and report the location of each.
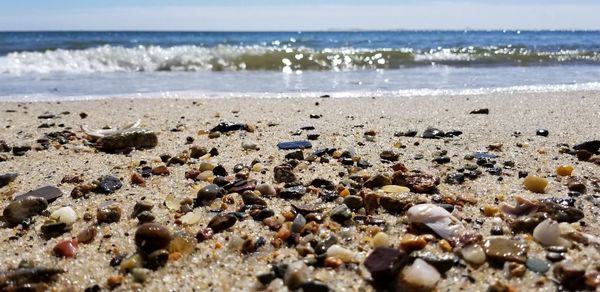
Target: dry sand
(570, 117)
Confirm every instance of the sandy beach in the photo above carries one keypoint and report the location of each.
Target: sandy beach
(225, 262)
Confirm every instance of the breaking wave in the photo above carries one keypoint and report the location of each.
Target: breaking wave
(109, 58)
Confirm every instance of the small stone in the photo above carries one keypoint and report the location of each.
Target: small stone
(294, 145)
(389, 155)
(443, 262)
(341, 253)
(49, 193)
(197, 152)
(54, 229)
(482, 111)
(108, 185)
(535, 184)
(284, 174)
(139, 207)
(157, 259)
(381, 239)
(441, 159)
(433, 133)
(455, 178)
(408, 133)
(67, 248)
(576, 186)
(395, 205)
(416, 182)
(204, 234)
(513, 270)
(537, 265)
(20, 150)
(564, 170)
(137, 179)
(207, 194)
(298, 223)
(583, 155)
(250, 198)
(555, 256)
(65, 215)
(88, 234)
(108, 212)
(315, 286)
(293, 192)
(225, 127)
(150, 237)
(569, 276)
(542, 132)
(145, 217)
(296, 275)
(161, 170)
(7, 178)
(341, 213)
(18, 211)
(298, 155)
(312, 136)
(222, 222)
(410, 242)
(353, 202)
(421, 274)
(249, 145)
(384, 263)
(130, 263)
(590, 146)
(502, 249)
(395, 189)
(266, 190)
(377, 181)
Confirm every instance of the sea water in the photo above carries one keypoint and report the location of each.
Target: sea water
(80, 65)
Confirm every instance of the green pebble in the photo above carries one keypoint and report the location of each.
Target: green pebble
(537, 265)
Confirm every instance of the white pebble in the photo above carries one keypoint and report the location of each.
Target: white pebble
(381, 239)
(191, 218)
(341, 253)
(65, 214)
(421, 274)
(547, 233)
(266, 190)
(473, 254)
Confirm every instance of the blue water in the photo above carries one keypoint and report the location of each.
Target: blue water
(59, 65)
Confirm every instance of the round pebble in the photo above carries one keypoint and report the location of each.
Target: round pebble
(208, 193)
(150, 237)
(65, 215)
(537, 265)
(535, 184)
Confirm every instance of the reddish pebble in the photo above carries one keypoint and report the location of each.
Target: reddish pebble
(160, 170)
(204, 234)
(67, 248)
(137, 179)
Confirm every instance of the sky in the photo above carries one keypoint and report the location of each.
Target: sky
(288, 15)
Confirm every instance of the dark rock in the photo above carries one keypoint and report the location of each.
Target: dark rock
(20, 150)
(27, 278)
(583, 155)
(7, 178)
(284, 174)
(433, 133)
(389, 155)
(262, 214)
(377, 181)
(250, 198)
(18, 211)
(49, 193)
(454, 133)
(46, 115)
(347, 161)
(441, 159)
(221, 222)
(225, 127)
(197, 152)
(213, 152)
(523, 174)
(140, 207)
(314, 286)
(570, 277)
(219, 170)
(88, 234)
(341, 213)
(108, 184)
(157, 259)
(483, 111)
(409, 133)
(455, 178)
(590, 146)
(207, 194)
(240, 185)
(322, 246)
(266, 278)
(295, 192)
(322, 183)
(4, 147)
(312, 136)
(291, 145)
(54, 229)
(145, 217)
(542, 132)
(298, 223)
(576, 186)
(353, 202)
(442, 262)
(329, 195)
(138, 139)
(150, 237)
(527, 223)
(555, 256)
(385, 263)
(417, 182)
(298, 155)
(560, 212)
(204, 234)
(395, 205)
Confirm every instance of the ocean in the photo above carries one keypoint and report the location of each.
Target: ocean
(83, 65)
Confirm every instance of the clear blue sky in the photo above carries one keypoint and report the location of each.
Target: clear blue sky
(297, 15)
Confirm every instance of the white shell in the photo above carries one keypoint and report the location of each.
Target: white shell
(436, 218)
(65, 215)
(547, 233)
(421, 274)
(99, 133)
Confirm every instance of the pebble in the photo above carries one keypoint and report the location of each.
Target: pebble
(137, 179)
(298, 223)
(284, 174)
(547, 233)
(161, 170)
(384, 263)
(88, 234)
(395, 189)
(324, 245)
(296, 275)
(537, 265)
(108, 212)
(65, 215)
(292, 145)
(225, 127)
(502, 249)
(377, 181)
(207, 194)
(157, 259)
(341, 253)
(455, 178)
(49, 193)
(250, 198)
(190, 218)
(266, 190)
(591, 146)
(293, 192)
(20, 150)
(482, 111)
(441, 159)
(381, 239)
(583, 155)
(535, 184)
(410, 242)
(576, 185)
(391, 204)
(54, 229)
(108, 184)
(443, 262)
(421, 274)
(353, 202)
(564, 170)
(139, 207)
(197, 151)
(298, 155)
(433, 133)
(341, 213)
(204, 234)
(389, 155)
(150, 237)
(66, 248)
(315, 286)
(18, 211)
(222, 222)
(416, 182)
(408, 133)
(542, 132)
(249, 145)
(569, 276)
(145, 217)
(7, 178)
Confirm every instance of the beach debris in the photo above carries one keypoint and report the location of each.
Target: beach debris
(115, 140)
(437, 219)
(433, 133)
(482, 111)
(224, 127)
(7, 178)
(18, 211)
(547, 233)
(292, 145)
(535, 184)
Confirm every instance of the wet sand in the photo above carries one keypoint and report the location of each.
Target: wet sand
(570, 118)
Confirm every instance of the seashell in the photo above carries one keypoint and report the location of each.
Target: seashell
(437, 219)
(522, 208)
(547, 233)
(100, 133)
